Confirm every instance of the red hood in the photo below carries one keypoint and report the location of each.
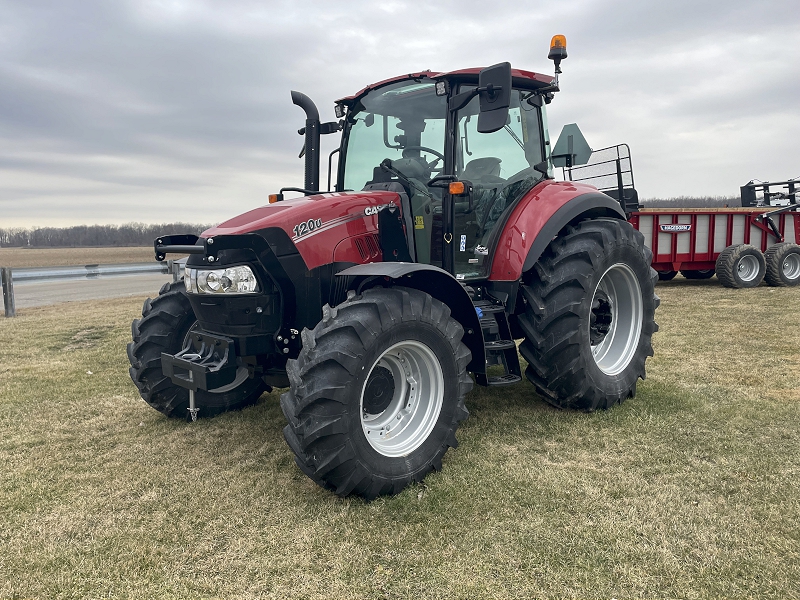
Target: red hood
(316, 224)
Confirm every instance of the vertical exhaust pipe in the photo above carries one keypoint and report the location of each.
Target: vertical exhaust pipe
(312, 140)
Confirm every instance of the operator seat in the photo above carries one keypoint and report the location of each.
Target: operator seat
(484, 173)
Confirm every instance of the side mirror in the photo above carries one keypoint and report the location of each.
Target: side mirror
(494, 88)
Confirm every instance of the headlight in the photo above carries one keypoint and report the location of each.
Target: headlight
(233, 280)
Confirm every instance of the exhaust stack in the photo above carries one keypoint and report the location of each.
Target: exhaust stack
(312, 140)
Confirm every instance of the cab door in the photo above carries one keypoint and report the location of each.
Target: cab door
(500, 167)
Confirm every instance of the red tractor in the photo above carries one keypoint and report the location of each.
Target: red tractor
(444, 239)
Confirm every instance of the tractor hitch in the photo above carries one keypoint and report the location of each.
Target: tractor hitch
(207, 362)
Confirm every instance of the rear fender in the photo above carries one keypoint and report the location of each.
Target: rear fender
(539, 217)
(431, 280)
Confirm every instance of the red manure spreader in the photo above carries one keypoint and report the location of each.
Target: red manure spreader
(742, 245)
(380, 302)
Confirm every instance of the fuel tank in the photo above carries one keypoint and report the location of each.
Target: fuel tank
(325, 228)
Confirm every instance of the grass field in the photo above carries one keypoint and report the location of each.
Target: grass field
(20, 258)
(690, 490)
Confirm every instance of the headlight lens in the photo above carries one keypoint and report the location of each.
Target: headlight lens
(233, 280)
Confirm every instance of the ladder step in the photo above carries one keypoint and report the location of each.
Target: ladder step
(497, 345)
(488, 307)
(507, 379)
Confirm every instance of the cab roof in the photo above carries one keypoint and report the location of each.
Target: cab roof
(519, 78)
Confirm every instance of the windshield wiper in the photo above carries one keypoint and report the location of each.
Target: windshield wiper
(514, 135)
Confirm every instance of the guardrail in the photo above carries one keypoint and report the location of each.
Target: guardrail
(10, 275)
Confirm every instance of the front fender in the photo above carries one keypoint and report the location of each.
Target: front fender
(538, 218)
(434, 281)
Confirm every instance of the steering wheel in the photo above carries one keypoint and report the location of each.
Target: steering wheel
(439, 156)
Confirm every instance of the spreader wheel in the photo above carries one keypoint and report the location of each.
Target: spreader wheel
(666, 275)
(783, 264)
(377, 392)
(164, 327)
(589, 318)
(698, 274)
(741, 266)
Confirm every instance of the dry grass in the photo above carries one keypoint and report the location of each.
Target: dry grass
(689, 490)
(20, 258)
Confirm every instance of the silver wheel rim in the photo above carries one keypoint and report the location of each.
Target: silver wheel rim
(624, 297)
(416, 399)
(791, 266)
(241, 373)
(748, 268)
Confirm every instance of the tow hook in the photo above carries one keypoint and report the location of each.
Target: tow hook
(193, 410)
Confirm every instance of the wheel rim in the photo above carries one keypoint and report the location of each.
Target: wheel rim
(405, 389)
(616, 320)
(747, 269)
(791, 266)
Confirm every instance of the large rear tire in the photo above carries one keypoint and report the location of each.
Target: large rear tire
(783, 264)
(377, 392)
(164, 327)
(589, 319)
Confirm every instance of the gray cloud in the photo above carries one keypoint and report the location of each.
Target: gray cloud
(175, 109)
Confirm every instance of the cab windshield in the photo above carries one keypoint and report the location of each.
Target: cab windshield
(406, 123)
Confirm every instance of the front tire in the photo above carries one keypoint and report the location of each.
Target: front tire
(589, 319)
(164, 327)
(377, 392)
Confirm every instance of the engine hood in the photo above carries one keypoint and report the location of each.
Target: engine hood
(315, 224)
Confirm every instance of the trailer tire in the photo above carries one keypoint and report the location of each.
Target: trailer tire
(354, 422)
(741, 266)
(698, 274)
(783, 264)
(165, 324)
(666, 275)
(590, 315)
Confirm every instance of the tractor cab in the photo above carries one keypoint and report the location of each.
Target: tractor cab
(458, 160)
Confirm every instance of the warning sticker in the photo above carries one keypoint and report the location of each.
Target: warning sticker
(419, 222)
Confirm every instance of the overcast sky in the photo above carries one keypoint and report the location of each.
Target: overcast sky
(163, 110)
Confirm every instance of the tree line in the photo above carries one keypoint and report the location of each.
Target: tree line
(130, 234)
(692, 202)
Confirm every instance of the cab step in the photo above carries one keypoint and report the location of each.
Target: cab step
(501, 349)
(507, 379)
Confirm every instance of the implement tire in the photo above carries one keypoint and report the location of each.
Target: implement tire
(698, 274)
(589, 318)
(164, 327)
(783, 264)
(377, 392)
(741, 266)
(667, 275)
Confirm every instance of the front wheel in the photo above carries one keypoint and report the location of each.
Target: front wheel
(589, 318)
(165, 326)
(377, 392)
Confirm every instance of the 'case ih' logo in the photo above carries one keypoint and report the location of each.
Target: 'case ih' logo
(676, 228)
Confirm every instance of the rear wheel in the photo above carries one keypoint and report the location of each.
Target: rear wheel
(377, 392)
(698, 274)
(741, 266)
(589, 318)
(783, 264)
(667, 275)
(164, 327)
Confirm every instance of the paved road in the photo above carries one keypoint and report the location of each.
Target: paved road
(42, 293)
